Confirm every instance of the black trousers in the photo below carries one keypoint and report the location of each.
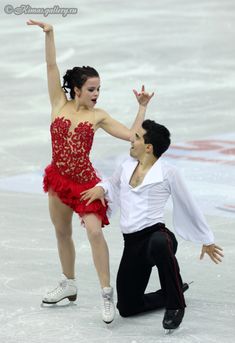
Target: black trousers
(152, 246)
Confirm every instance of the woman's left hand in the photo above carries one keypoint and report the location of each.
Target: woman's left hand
(143, 97)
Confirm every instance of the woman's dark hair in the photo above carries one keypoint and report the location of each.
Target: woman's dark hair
(157, 135)
(76, 77)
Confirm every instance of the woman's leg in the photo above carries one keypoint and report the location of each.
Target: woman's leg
(100, 255)
(61, 217)
(99, 248)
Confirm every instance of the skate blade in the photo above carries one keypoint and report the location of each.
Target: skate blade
(108, 322)
(57, 305)
(71, 300)
(170, 331)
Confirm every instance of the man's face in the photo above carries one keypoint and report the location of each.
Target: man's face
(138, 147)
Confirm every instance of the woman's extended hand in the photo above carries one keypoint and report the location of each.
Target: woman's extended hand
(143, 97)
(46, 27)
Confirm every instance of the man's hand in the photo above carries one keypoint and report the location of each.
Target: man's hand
(93, 194)
(214, 251)
(143, 97)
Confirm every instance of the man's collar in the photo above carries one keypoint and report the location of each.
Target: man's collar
(154, 175)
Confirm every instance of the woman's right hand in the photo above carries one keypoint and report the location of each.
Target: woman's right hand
(46, 27)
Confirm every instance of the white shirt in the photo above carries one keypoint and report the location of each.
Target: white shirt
(143, 206)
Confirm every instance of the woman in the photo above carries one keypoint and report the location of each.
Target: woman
(73, 124)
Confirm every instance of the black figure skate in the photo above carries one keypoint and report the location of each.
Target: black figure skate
(172, 319)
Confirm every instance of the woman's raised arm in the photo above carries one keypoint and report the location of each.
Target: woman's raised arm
(56, 93)
(116, 129)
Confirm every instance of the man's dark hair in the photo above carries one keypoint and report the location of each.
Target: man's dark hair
(157, 135)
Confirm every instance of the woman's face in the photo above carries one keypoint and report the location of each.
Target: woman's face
(89, 92)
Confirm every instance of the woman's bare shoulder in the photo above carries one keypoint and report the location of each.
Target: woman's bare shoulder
(100, 114)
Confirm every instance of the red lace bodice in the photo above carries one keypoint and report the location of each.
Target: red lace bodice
(70, 149)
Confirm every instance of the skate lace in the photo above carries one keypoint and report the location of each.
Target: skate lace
(58, 289)
(107, 303)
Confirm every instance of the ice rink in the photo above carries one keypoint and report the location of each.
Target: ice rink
(184, 51)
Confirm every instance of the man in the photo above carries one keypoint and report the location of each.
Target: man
(143, 184)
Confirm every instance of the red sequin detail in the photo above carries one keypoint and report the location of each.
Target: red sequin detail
(70, 150)
(71, 171)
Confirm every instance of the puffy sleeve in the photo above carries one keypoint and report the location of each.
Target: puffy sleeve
(111, 188)
(188, 219)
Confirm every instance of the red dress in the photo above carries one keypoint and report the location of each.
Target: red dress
(71, 171)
